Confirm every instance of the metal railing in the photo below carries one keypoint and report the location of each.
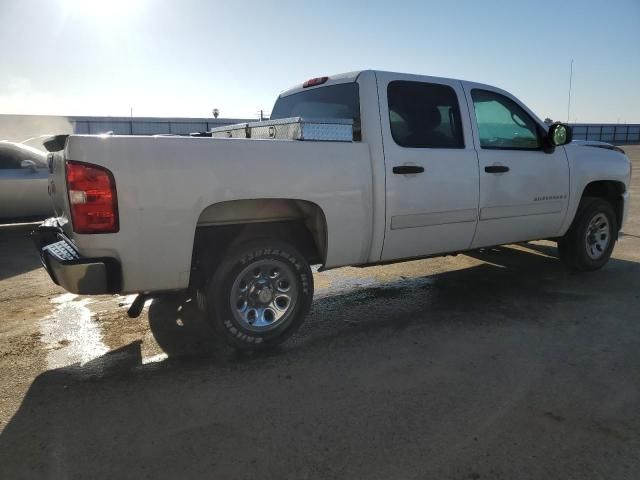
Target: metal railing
(607, 132)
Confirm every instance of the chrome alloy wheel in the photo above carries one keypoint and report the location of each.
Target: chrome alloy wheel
(598, 236)
(264, 294)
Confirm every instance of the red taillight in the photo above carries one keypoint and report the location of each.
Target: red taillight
(314, 81)
(92, 198)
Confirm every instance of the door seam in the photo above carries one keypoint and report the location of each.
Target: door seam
(473, 142)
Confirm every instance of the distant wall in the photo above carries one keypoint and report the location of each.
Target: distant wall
(18, 128)
(149, 125)
(607, 132)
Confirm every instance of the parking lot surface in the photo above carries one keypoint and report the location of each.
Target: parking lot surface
(498, 364)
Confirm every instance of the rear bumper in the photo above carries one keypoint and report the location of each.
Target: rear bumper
(67, 268)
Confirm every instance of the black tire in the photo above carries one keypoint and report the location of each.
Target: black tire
(218, 290)
(573, 248)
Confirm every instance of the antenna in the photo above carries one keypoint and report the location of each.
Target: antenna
(570, 82)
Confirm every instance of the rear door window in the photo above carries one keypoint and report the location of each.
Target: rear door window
(424, 115)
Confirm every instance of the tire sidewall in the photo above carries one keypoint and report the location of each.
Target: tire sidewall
(591, 209)
(218, 293)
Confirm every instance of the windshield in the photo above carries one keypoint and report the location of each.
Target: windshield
(334, 101)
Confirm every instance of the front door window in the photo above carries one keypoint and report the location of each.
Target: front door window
(503, 124)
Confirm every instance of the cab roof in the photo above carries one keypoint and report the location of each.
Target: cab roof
(347, 77)
(331, 80)
(353, 76)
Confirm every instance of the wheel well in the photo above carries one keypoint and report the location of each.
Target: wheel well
(609, 190)
(223, 225)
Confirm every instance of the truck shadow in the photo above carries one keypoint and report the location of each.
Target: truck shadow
(112, 413)
(531, 272)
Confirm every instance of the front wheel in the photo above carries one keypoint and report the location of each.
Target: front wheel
(589, 242)
(259, 294)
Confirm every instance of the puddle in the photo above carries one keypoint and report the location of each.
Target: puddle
(160, 357)
(339, 283)
(127, 300)
(70, 333)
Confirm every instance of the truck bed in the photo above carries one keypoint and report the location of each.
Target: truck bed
(165, 184)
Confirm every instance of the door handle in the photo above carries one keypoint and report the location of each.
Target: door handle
(496, 169)
(408, 169)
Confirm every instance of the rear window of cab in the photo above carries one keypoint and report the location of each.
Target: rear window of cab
(332, 101)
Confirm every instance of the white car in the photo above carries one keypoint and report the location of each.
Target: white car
(355, 169)
(23, 182)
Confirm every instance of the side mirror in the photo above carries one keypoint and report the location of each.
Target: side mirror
(560, 134)
(30, 164)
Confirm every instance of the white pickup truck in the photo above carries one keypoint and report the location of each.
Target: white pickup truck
(360, 169)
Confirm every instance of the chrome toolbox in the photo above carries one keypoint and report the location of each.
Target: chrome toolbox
(294, 128)
(239, 130)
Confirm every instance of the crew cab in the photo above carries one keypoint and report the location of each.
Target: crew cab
(359, 169)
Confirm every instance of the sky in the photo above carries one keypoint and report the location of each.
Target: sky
(186, 57)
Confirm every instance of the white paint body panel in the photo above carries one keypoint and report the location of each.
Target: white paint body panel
(527, 202)
(434, 211)
(165, 183)
(590, 164)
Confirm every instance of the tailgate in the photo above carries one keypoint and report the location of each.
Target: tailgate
(57, 180)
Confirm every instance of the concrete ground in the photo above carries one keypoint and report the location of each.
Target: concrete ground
(492, 365)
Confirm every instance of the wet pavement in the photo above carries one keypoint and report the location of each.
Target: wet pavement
(497, 364)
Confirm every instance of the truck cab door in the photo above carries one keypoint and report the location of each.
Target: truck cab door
(431, 166)
(524, 191)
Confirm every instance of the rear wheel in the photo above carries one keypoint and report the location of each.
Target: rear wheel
(589, 242)
(259, 294)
